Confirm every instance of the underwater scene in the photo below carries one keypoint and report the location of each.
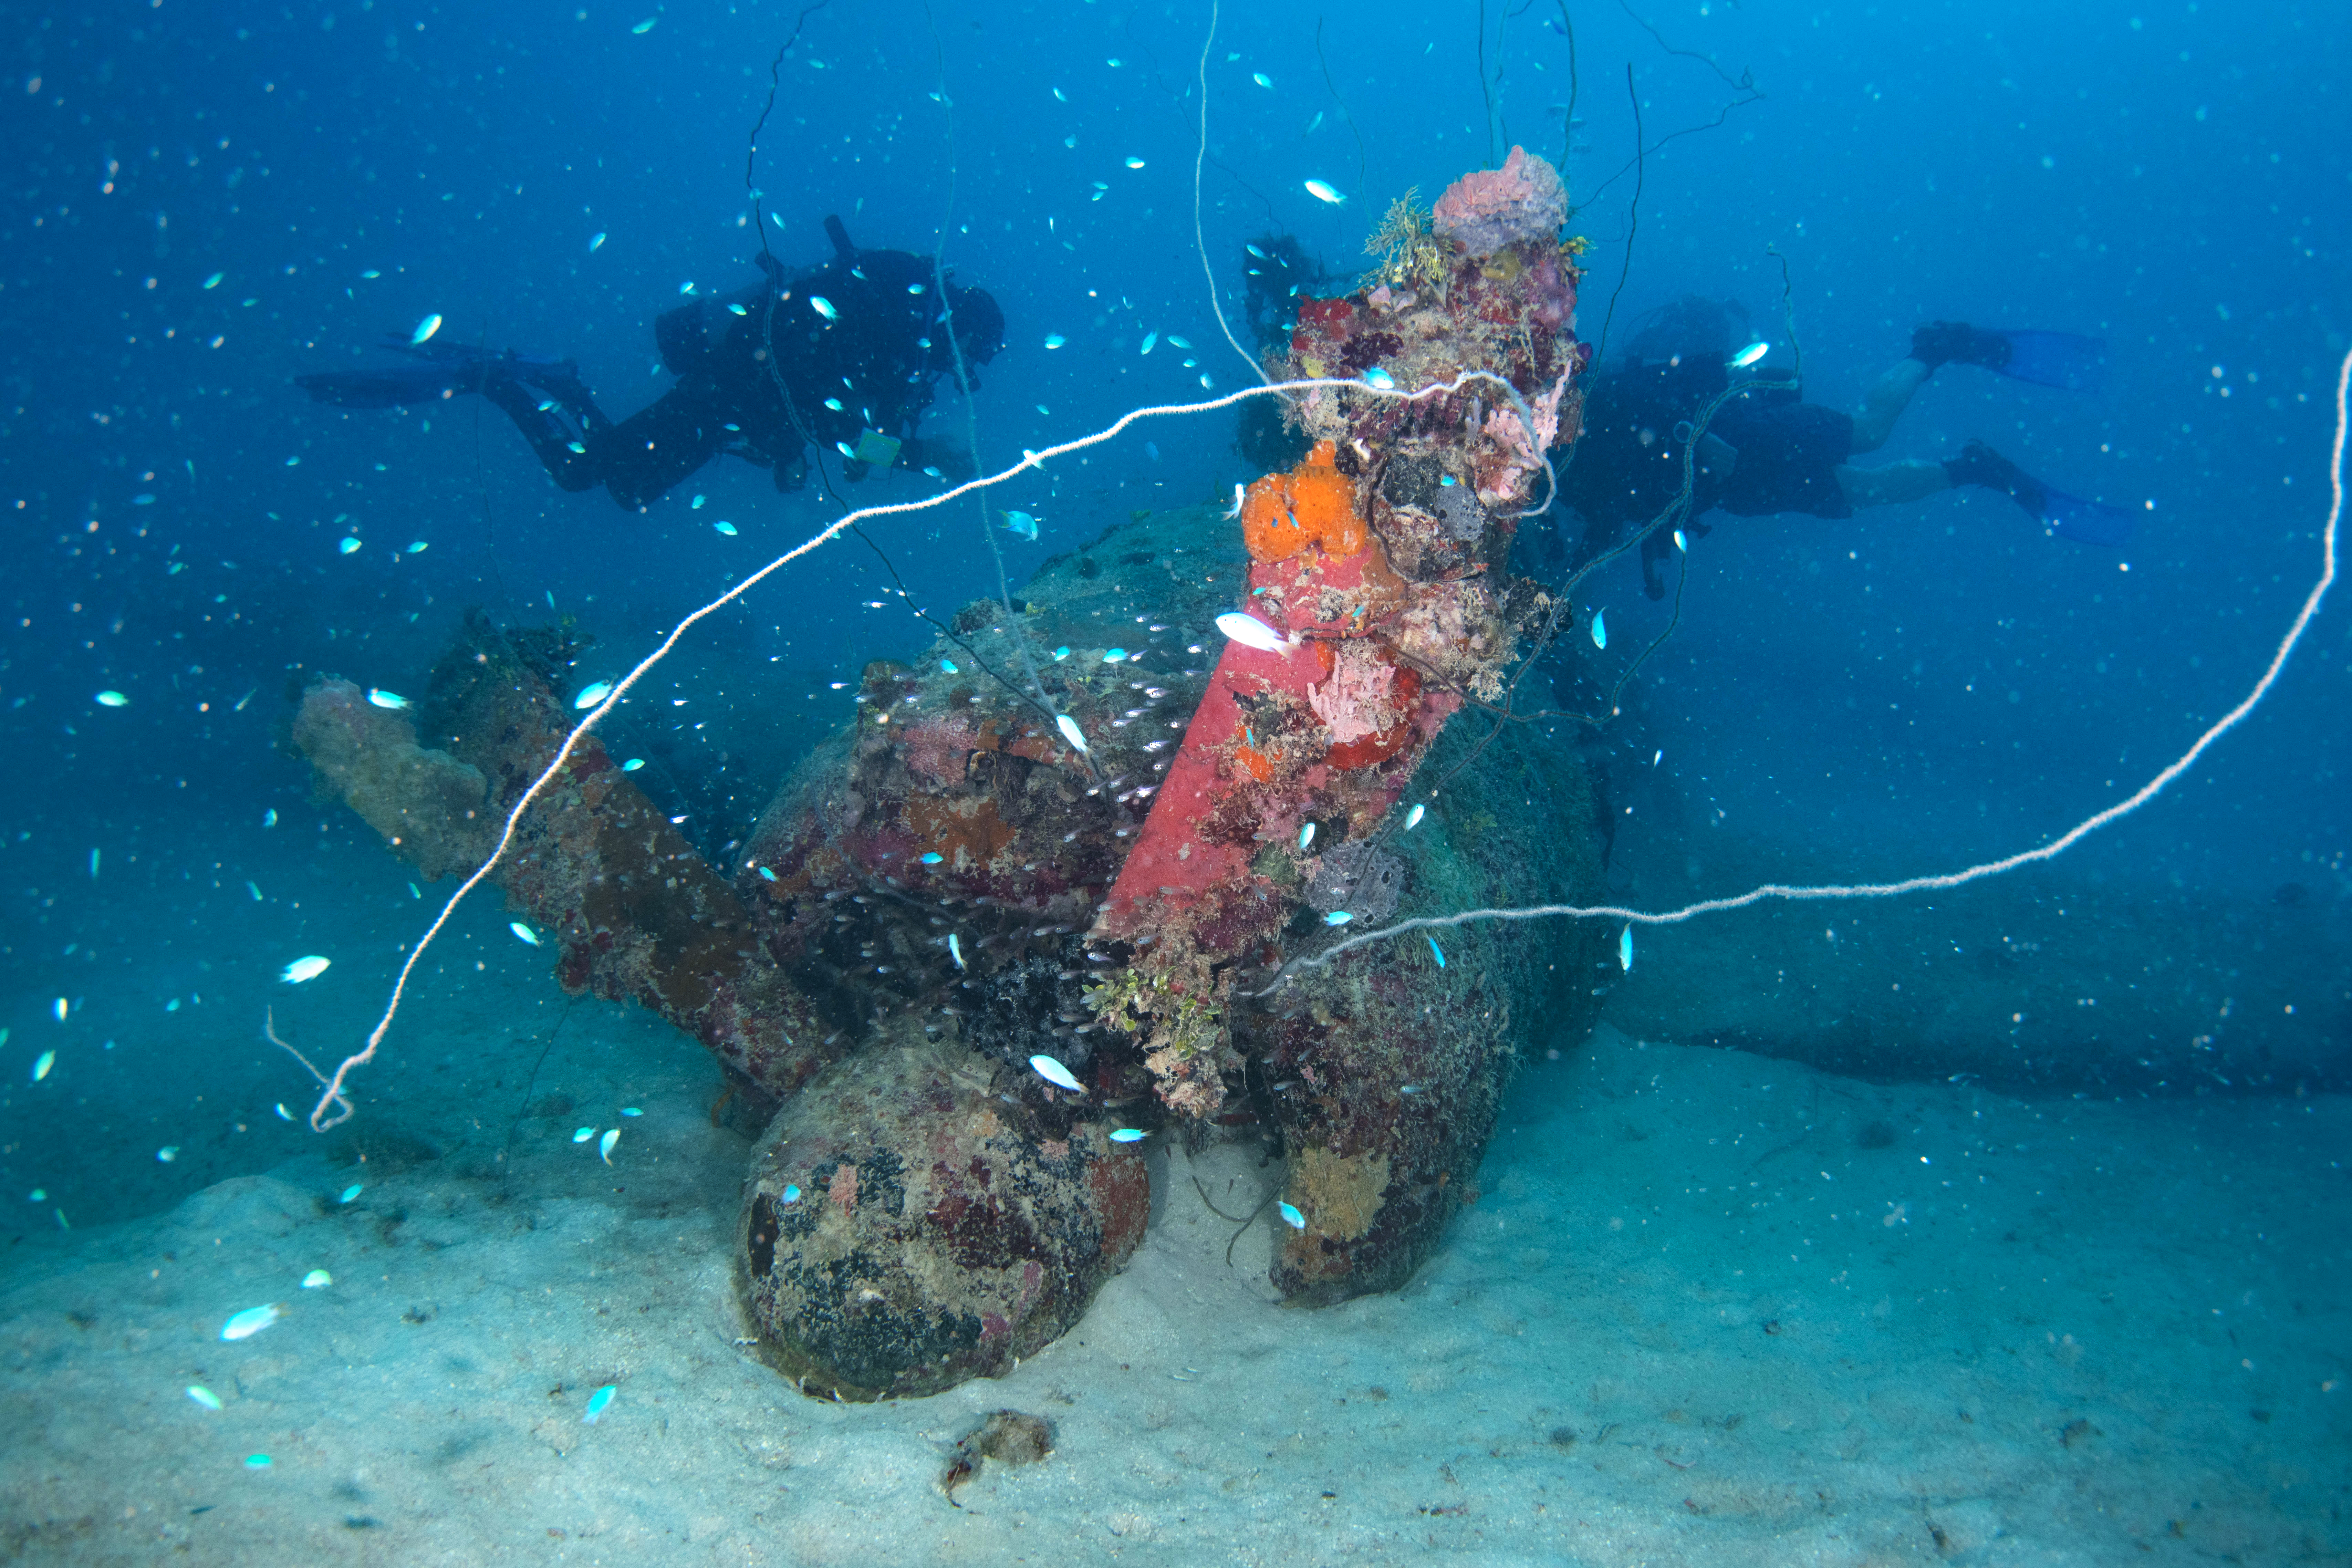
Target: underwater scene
(1521, 782)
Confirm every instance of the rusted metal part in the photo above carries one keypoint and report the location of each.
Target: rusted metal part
(903, 1228)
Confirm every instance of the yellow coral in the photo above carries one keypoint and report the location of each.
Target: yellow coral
(1411, 254)
(1183, 1030)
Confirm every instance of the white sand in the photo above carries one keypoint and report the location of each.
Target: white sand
(1691, 1319)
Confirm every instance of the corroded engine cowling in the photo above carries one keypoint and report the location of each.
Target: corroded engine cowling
(905, 1228)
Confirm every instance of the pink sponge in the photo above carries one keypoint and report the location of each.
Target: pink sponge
(1487, 210)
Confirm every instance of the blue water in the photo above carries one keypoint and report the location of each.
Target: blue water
(207, 201)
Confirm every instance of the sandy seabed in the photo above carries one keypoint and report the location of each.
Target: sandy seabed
(1708, 1307)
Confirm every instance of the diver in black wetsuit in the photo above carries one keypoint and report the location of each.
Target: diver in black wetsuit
(843, 355)
(1767, 451)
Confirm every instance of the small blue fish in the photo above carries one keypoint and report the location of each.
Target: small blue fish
(1055, 1073)
(1379, 379)
(1434, 950)
(112, 699)
(1115, 656)
(726, 528)
(834, 403)
(1600, 630)
(317, 1280)
(1291, 1217)
(766, 875)
(593, 693)
(1307, 836)
(424, 329)
(955, 950)
(597, 240)
(1060, 654)
(1413, 818)
(347, 546)
(1337, 917)
(633, 764)
(582, 1134)
(1071, 732)
(1135, 163)
(1267, 82)
(601, 1400)
(251, 1321)
(1054, 340)
(823, 307)
(1750, 355)
(737, 310)
(214, 281)
(1625, 948)
(932, 858)
(383, 698)
(350, 1193)
(1178, 343)
(645, 27)
(1681, 543)
(203, 1396)
(1149, 341)
(947, 666)
(523, 933)
(1021, 523)
(303, 969)
(1253, 250)
(1129, 1135)
(604, 1144)
(256, 1461)
(1322, 192)
(791, 1193)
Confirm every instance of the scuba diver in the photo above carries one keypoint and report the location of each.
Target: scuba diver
(843, 353)
(1767, 451)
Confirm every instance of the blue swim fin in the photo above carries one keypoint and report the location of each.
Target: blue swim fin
(439, 370)
(2086, 521)
(2052, 359)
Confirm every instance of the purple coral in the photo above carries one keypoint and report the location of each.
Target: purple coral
(1488, 209)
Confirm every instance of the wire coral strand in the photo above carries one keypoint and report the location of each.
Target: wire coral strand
(1199, 244)
(321, 1121)
(2050, 851)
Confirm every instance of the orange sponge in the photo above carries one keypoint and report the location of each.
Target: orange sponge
(1314, 503)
